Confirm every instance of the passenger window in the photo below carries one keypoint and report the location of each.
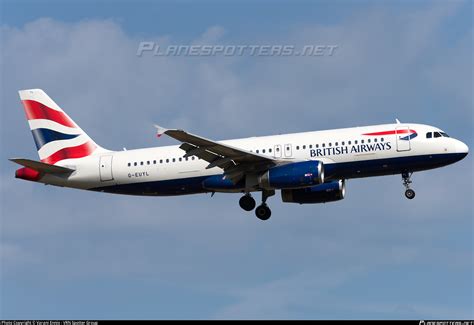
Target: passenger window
(361, 141)
(343, 143)
(129, 164)
(349, 142)
(336, 144)
(186, 158)
(141, 163)
(368, 140)
(297, 147)
(154, 162)
(304, 147)
(256, 151)
(355, 142)
(180, 159)
(317, 146)
(311, 146)
(381, 139)
(192, 157)
(270, 150)
(161, 161)
(263, 150)
(135, 163)
(148, 162)
(330, 144)
(174, 159)
(375, 140)
(323, 145)
(437, 135)
(277, 149)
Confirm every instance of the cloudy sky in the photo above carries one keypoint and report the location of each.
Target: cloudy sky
(71, 254)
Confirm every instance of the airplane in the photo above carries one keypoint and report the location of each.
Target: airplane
(307, 167)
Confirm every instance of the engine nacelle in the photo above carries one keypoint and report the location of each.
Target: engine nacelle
(327, 192)
(293, 175)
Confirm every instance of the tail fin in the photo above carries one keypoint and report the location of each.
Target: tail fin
(56, 135)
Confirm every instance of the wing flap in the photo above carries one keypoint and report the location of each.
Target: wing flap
(235, 162)
(209, 150)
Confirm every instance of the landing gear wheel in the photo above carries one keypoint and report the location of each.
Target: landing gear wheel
(410, 194)
(247, 203)
(263, 212)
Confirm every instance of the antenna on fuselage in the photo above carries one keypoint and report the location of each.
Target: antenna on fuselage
(398, 122)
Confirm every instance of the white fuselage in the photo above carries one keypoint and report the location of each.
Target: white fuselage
(345, 153)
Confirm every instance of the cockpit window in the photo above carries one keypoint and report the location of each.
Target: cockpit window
(430, 135)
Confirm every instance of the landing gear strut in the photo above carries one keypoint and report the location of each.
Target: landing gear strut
(409, 193)
(263, 212)
(247, 202)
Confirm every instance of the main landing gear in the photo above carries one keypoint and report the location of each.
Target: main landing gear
(247, 202)
(262, 212)
(409, 193)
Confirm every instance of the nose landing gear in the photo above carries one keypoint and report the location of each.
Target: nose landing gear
(409, 193)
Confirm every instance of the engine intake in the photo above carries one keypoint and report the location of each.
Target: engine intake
(327, 192)
(293, 175)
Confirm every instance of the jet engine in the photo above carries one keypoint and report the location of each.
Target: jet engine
(293, 175)
(327, 192)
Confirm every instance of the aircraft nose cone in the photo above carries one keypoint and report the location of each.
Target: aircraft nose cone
(462, 148)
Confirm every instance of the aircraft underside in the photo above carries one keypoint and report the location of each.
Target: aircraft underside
(333, 173)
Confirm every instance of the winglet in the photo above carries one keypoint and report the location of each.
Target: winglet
(160, 130)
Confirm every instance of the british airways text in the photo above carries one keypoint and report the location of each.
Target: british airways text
(360, 148)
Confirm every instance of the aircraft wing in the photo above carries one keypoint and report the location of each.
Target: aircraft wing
(234, 161)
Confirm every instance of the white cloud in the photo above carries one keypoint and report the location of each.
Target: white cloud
(211, 36)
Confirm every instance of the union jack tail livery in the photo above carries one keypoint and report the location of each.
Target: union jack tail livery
(56, 135)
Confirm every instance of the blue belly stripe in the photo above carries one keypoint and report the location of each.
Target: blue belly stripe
(334, 171)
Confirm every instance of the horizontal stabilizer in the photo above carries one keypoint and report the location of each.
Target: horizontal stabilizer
(42, 167)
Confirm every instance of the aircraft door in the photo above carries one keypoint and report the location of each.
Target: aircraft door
(403, 138)
(105, 168)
